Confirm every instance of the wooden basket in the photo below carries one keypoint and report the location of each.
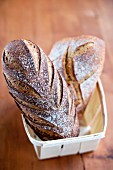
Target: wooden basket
(96, 119)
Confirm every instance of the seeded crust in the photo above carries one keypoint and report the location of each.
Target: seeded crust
(39, 91)
(80, 61)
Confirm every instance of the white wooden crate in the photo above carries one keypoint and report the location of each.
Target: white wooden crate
(95, 118)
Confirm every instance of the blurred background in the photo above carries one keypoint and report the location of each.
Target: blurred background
(44, 22)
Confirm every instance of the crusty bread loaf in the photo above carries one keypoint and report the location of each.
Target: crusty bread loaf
(39, 91)
(80, 61)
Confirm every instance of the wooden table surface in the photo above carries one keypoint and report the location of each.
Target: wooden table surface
(44, 22)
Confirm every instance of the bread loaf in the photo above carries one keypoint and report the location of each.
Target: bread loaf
(39, 91)
(80, 61)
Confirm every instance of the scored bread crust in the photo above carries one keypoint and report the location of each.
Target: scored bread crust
(39, 91)
(80, 61)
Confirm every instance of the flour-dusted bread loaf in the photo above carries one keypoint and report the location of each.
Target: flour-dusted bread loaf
(39, 91)
(80, 61)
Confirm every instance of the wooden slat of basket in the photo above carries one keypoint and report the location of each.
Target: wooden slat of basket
(93, 114)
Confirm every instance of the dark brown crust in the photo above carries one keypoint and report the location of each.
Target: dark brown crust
(80, 61)
(42, 133)
(50, 73)
(39, 91)
(59, 90)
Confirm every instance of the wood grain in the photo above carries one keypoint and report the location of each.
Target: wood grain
(44, 22)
